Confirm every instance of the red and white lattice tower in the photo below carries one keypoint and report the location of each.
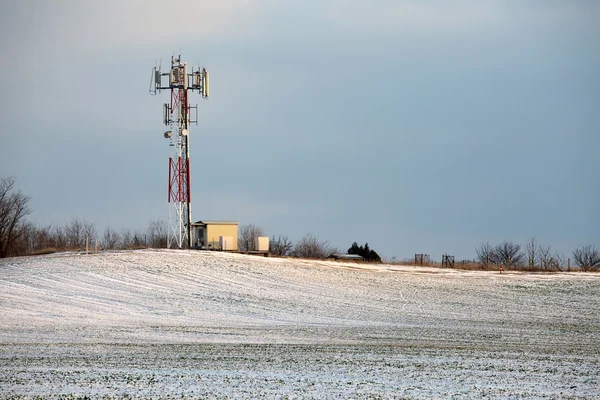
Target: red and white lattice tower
(177, 115)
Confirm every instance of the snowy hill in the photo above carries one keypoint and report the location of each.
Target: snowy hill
(191, 296)
(213, 325)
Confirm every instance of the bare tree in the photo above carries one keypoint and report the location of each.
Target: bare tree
(89, 232)
(74, 234)
(158, 232)
(110, 239)
(14, 207)
(508, 254)
(557, 261)
(126, 241)
(40, 240)
(43, 238)
(59, 237)
(35, 238)
(247, 237)
(485, 253)
(25, 244)
(531, 249)
(545, 256)
(587, 258)
(311, 247)
(77, 232)
(281, 246)
(335, 250)
(139, 239)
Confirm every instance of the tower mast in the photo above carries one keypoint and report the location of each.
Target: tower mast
(177, 116)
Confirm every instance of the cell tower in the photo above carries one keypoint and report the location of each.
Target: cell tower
(177, 115)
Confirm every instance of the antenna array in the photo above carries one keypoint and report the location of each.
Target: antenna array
(178, 115)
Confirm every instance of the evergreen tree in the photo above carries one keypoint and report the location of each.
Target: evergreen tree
(373, 256)
(354, 249)
(365, 252)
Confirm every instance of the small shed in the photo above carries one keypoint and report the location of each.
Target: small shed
(346, 257)
(261, 244)
(215, 235)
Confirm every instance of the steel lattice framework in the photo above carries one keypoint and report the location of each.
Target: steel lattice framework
(177, 116)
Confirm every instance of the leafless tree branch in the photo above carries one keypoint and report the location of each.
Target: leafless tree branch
(281, 246)
(587, 258)
(14, 207)
(247, 237)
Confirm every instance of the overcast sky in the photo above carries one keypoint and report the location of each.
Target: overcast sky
(419, 127)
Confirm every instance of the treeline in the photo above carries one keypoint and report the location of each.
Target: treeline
(20, 237)
(535, 256)
(507, 255)
(308, 246)
(80, 235)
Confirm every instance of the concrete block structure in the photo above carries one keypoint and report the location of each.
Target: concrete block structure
(262, 244)
(215, 235)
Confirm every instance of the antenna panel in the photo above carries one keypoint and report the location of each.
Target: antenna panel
(166, 112)
(157, 78)
(196, 80)
(174, 76)
(185, 76)
(205, 83)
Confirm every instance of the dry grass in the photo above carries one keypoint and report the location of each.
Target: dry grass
(138, 247)
(47, 250)
(475, 266)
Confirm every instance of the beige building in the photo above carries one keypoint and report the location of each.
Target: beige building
(215, 235)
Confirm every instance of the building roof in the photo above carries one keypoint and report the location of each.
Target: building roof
(207, 222)
(346, 256)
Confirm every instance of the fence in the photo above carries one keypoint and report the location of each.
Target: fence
(422, 259)
(447, 261)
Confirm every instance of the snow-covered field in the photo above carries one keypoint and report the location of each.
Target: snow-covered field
(159, 324)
